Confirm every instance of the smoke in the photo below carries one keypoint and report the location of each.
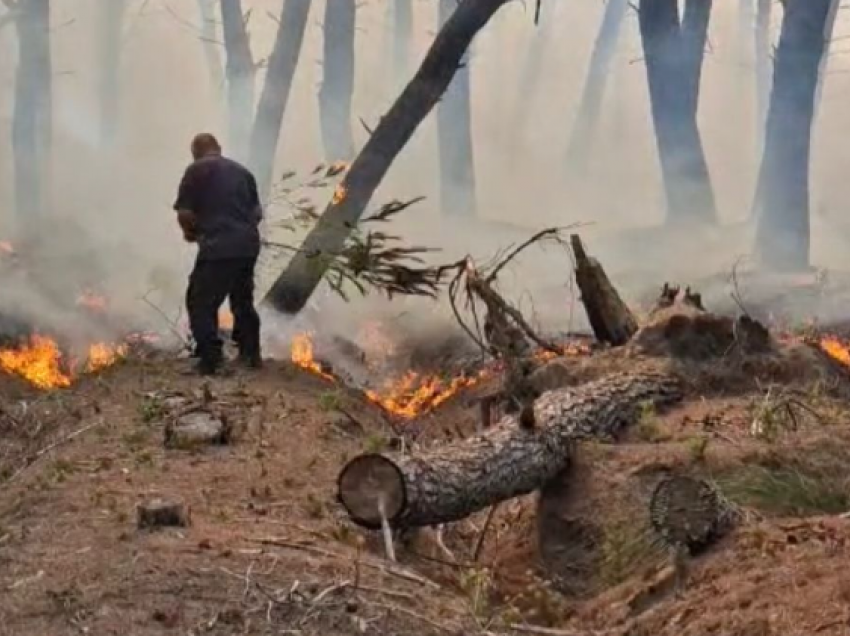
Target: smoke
(112, 226)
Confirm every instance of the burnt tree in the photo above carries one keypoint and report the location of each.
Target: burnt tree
(590, 105)
(240, 73)
(673, 50)
(452, 482)
(209, 38)
(454, 132)
(338, 80)
(402, 40)
(782, 193)
(296, 284)
(32, 118)
(763, 62)
(110, 25)
(265, 133)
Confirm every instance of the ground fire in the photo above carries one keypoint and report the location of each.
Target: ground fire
(836, 349)
(41, 362)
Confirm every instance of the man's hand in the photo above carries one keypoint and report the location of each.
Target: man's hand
(188, 223)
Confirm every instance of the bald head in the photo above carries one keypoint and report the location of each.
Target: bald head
(205, 144)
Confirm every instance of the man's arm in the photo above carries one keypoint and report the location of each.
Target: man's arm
(255, 197)
(186, 204)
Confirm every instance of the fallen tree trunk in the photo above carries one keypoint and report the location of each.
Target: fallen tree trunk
(452, 482)
(293, 288)
(609, 317)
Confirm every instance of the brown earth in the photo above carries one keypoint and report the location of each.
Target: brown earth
(269, 551)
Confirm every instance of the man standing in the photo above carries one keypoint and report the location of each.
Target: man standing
(219, 209)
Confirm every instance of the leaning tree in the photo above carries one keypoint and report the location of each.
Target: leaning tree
(293, 288)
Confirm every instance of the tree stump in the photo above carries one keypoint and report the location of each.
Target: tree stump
(609, 317)
(160, 513)
(452, 482)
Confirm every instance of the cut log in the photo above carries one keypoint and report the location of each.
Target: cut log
(452, 482)
(689, 513)
(610, 318)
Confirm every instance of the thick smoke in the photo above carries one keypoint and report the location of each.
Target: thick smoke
(112, 225)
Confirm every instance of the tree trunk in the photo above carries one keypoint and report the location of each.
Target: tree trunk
(240, 72)
(610, 318)
(296, 284)
(673, 57)
(590, 106)
(209, 40)
(32, 118)
(338, 81)
(452, 482)
(402, 40)
(265, 134)
(782, 233)
(827, 36)
(454, 131)
(111, 21)
(763, 63)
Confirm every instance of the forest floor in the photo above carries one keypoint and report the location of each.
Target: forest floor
(270, 551)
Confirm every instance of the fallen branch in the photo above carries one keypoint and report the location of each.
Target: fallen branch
(44, 451)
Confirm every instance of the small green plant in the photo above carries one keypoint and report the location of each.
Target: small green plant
(330, 400)
(375, 443)
(788, 490)
(697, 448)
(648, 427)
(151, 409)
(477, 584)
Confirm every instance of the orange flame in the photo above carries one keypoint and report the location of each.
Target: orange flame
(836, 349)
(413, 395)
(40, 363)
(225, 320)
(302, 355)
(339, 194)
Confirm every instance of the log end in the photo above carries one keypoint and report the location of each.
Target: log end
(369, 482)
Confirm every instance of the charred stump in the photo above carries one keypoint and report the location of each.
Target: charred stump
(609, 317)
(452, 482)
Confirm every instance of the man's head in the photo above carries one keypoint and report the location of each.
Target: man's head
(205, 144)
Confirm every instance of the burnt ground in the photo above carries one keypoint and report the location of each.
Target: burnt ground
(269, 551)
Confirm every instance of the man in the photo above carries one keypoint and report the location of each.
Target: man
(218, 208)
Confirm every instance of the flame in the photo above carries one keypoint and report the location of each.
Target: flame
(92, 301)
(339, 194)
(302, 355)
(102, 355)
(40, 361)
(225, 320)
(836, 349)
(7, 248)
(413, 394)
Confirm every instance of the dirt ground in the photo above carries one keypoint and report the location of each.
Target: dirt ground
(270, 551)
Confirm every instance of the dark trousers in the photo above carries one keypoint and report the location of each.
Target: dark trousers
(210, 284)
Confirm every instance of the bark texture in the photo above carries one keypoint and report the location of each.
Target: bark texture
(265, 134)
(209, 41)
(674, 53)
(450, 483)
(32, 124)
(590, 106)
(296, 284)
(240, 72)
(610, 318)
(338, 81)
(782, 199)
(111, 21)
(454, 131)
